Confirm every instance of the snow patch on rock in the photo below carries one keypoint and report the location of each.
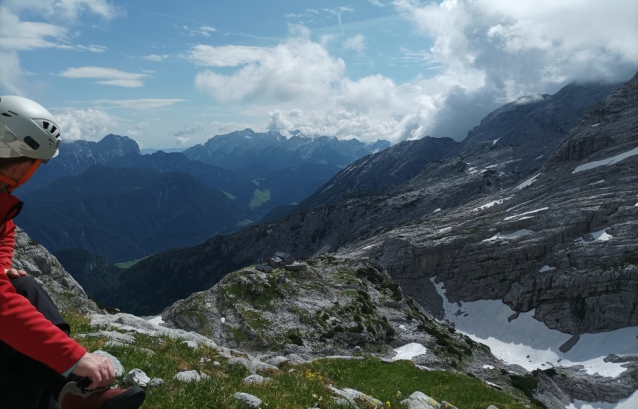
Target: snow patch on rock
(606, 162)
(528, 182)
(531, 344)
(409, 351)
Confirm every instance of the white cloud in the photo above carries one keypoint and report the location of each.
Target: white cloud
(303, 87)
(298, 68)
(376, 3)
(188, 130)
(494, 51)
(69, 10)
(205, 30)
(141, 104)
(182, 140)
(355, 43)
(107, 76)
(87, 124)
(21, 35)
(11, 75)
(92, 48)
(201, 30)
(18, 35)
(484, 53)
(225, 56)
(140, 129)
(155, 57)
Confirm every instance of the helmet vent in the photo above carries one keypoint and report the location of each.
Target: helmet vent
(31, 142)
(45, 124)
(5, 114)
(13, 113)
(53, 129)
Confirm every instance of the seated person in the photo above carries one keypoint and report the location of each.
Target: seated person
(39, 362)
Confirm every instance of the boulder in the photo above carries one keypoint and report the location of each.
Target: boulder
(188, 376)
(248, 401)
(137, 377)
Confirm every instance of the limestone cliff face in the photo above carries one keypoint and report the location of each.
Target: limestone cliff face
(33, 258)
(564, 243)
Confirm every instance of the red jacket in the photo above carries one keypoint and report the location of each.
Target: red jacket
(21, 326)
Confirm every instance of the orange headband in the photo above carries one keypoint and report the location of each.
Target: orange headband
(12, 184)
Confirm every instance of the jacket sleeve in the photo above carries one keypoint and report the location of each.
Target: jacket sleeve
(24, 329)
(7, 243)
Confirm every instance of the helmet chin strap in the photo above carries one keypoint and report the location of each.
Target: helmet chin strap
(13, 184)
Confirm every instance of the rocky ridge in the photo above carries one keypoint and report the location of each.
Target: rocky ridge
(253, 151)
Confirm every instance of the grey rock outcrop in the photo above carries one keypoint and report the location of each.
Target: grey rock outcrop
(33, 258)
(335, 309)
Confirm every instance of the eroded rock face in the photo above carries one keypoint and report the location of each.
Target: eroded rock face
(335, 308)
(564, 243)
(33, 258)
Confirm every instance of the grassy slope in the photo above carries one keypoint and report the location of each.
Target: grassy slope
(301, 388)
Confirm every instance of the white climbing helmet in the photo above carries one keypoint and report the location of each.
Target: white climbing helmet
(27, 129)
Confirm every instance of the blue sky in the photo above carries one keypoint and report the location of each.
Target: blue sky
(173, 74)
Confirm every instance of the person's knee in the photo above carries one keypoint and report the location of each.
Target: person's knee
(26, 285)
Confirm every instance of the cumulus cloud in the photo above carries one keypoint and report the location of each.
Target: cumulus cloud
(485, 53)
(494, 51)
(107, 76)
(355, 43)
(298, 68)
(309, 90)
(87, 124)
(141, 104)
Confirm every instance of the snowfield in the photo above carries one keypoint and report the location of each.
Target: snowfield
(608, 161)
(529, 343)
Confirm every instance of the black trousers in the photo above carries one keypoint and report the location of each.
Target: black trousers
(24, 382)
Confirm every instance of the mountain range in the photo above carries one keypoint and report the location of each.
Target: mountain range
(108, 198)
(258, 152)
(419, 188)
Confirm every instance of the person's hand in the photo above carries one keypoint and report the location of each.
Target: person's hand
(96, 367)
(13, 273)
